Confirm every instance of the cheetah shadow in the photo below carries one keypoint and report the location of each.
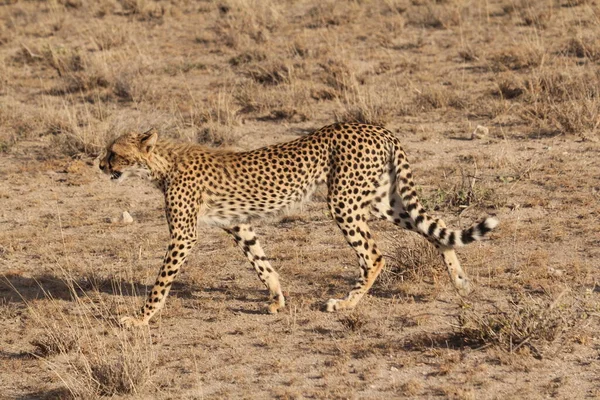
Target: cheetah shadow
(21, 289)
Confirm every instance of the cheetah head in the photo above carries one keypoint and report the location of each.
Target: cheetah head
(128, 155)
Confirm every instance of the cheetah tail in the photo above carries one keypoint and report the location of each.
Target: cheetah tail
(429, 227)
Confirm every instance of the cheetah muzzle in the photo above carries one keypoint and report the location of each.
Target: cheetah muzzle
(366, 173)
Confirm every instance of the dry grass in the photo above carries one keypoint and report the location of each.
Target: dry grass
(564, 102)
(74, 74)
(526, 321)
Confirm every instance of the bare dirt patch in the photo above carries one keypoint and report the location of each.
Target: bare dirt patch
(75, 73)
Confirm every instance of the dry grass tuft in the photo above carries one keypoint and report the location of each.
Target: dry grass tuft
(436, 97)
(53, 342)
(517, 58)
(243, 24)
(370, 106)
(509, 87)
(583, 47)
(328, 14)
(291, 101)
(412, 387)
(526, 321)
(433, 15)
(90, 355)
(354, 322)
(463, 189)
(413, 260)
(563, 102)
(271, 73)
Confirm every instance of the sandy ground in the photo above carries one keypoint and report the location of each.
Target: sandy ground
(70, 268)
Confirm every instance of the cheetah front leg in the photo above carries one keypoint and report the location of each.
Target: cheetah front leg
(245, 237)
(183, 228)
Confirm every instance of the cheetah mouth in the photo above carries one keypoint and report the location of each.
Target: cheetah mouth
(115, 175)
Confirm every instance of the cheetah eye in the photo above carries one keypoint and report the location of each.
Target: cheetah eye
(111, 158)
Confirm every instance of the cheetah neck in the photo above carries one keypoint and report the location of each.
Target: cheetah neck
(162, 159)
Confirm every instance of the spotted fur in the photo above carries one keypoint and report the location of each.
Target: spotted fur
(365, 170)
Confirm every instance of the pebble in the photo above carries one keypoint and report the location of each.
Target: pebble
(480, 132)
(127, 218)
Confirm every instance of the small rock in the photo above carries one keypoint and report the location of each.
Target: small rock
(555, 272)
(127, 218)
(480, 132)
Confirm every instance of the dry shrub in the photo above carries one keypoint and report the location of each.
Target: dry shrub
(468, 54)
(509, 86)
(538, 16)
(436, 97)
(525, 321)
(124, 370)
(243, 23)
(354, 322)
(55, 341)
(107, 37)
(18, 120)
(216, 121)
(330, 13)
(273, 73)
(90, 355)
(433, 14)
(358, 103)
(517, 58)
(369, 106)
(289, 101)
(412, 387)
(563, 102)
(462, 189)
(82, 72)
(145, 10)
(248, 57)
(74, 130)
(413, 259)
(583, 47)
(77, 71)
(340, 76)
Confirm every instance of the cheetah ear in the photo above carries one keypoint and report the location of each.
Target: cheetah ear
(148, 141)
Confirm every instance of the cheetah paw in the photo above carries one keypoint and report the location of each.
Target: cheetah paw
(273, 308)
(333, 305)
(132, 322)
(463, 287)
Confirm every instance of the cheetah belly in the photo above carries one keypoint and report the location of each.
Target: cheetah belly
(231, 209)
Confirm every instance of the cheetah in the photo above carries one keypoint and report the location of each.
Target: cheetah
(364, 167)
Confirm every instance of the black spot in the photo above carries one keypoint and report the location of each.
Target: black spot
(466, 236)
(451, 239)
(443, 233)
(483, 228)
(250, 242)
(419, 219)
(432, 228)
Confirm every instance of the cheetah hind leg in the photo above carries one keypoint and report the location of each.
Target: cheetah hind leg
(391, 209)
(246, 239)
(370, 259)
